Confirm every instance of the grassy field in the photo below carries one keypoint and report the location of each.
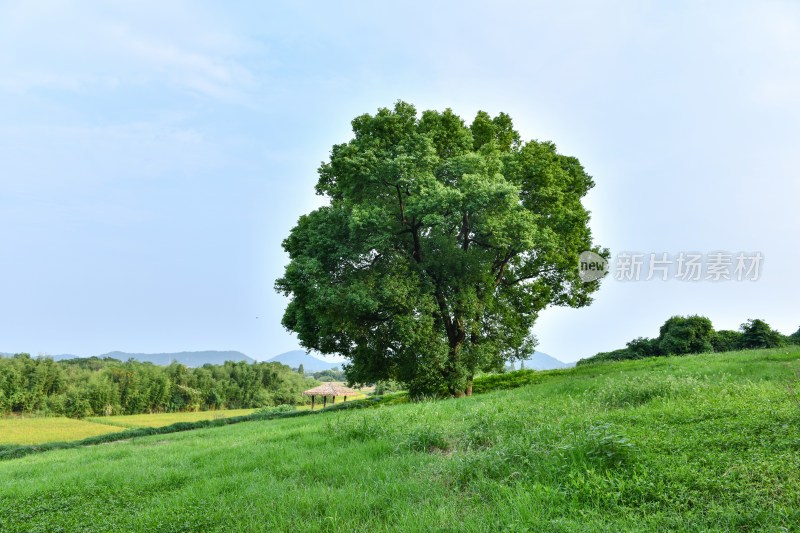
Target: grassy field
(40, 430)
(696, 443)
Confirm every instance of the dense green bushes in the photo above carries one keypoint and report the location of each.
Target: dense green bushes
(96, 387)
(757, 334)
(794, 338)
(695, 334)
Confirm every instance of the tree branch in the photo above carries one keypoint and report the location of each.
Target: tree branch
(525, 278)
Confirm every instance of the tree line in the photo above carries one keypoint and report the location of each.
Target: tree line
(95, 387)
(694, 334)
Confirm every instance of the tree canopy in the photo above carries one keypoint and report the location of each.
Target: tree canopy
(758, 334)
(681, 335)
(440, 246)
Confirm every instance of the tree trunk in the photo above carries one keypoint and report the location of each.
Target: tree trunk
(456, 335)
(469, 386)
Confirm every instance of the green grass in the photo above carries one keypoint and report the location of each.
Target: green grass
(50, 429)
(695, 443)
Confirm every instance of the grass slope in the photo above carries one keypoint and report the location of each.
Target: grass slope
(700, 443)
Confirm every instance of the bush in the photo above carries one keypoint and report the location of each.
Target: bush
(727, 341)
(643, 347)
(757, 334)
(682, 335)
(615, 355)
(794, 338)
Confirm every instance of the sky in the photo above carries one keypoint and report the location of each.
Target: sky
(153, 155)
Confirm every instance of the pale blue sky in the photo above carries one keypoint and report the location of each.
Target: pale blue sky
(153, 155)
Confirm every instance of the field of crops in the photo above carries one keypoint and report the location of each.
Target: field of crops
(40, 430)
(16, 430)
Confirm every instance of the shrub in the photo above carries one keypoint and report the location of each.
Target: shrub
(643, 347)
(794, 338)
(727, 341)
(682, 335)
(615, 355)
(757, 334)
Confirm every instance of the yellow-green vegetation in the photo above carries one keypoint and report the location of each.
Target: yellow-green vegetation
(49, 429)
(39, 430)
(705, 443)
(339, 399)
(166, 419)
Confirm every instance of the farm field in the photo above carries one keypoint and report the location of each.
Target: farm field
(695, 443)
(38, 430)
(49, 429)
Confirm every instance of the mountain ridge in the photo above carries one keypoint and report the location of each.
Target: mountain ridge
(191, 359)
(542, 361)
(293, 358)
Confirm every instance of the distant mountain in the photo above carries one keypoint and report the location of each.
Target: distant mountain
(310, 363)
(34, 355)
(539, 360)
(542, 361)
(193, 359)
(62, 356)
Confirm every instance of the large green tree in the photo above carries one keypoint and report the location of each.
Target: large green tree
(441, 244)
